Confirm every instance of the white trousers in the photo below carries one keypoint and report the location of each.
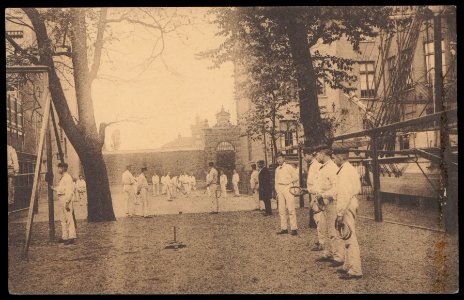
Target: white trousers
(223, 190)
(155, 189)
(321, 224)
(212, 194)
(68, 228)
(237, 192)
(333, 246)
(130, 199)
(144, 197)
(259, 204)
(286, 202)
(163, 189)
(351, 252)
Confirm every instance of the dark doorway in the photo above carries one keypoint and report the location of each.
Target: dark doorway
(225, 160)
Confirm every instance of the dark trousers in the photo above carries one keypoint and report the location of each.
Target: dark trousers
(267, 205)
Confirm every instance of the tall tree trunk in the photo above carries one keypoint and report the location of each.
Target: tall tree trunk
(83, 135)
(310, 113)
(100, 207)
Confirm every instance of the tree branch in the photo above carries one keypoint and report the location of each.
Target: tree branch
(98, 44)
(18, 48)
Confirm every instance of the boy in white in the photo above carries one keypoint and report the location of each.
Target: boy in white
(235, 181)
(286, 177)
(65, 191)
(156, 182)
(348, 187)
(223, 182)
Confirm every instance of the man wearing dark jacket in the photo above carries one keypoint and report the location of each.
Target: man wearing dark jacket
(265, 187)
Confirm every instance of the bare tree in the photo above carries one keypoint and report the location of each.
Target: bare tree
(72, 42)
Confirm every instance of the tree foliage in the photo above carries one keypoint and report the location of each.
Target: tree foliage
(273, 43)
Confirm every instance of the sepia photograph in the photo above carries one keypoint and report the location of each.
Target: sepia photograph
(232, 150)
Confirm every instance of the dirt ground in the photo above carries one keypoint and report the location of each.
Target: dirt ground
(230, 252)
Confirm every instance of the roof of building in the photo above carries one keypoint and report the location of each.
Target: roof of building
(181, 142)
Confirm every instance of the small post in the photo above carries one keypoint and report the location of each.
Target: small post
(376, 183)
(175, 234)
(300, 175)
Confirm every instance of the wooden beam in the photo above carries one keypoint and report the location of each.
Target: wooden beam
(45, 96)
(376, 182)
(436, 117)
(51, 207)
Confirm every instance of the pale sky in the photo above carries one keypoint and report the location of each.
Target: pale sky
(167, 97)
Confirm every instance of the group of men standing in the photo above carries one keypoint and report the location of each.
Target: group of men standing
(137, 187)
(334, 184)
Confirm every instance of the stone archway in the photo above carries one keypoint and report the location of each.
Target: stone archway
(225, 160)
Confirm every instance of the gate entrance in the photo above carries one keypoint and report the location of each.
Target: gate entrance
(225, 160)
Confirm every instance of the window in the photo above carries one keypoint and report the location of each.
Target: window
(391, 64)
(366, 77)
(404, 141)
(15, 120)
(430, 60)
(288, 129)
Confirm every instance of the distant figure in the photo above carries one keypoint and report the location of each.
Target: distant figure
(184, 182)
(193, 182)
(211, 183)
(235, 181)
(164, 187)
(129, 181)
(254, 186)
(264, 187)
(142, 186)
(156, 184)
(208, 179)
(223, 181)
(65, 191)
(169, 187)
(13, 169)
(285, 177)
(174, 185)
(81, 188)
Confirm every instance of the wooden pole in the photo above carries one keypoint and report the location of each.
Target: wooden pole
(376, 181)
(46, 115)
(57, 136)
(51, 208)
(448, 199)
(300, 175)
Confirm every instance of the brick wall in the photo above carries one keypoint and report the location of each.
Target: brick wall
(161, 162)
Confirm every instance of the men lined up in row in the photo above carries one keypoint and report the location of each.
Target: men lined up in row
(333, 186)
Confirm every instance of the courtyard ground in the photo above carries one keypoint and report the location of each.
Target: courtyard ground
(235, 251)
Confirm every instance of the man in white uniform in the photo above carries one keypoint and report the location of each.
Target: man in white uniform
(168, 183)
(142, 184)
(223, 181)
(81, 188)
(129, 181)
(211, 183)
(193, 182)
(235, 181)
(13, 169)
(286, 177)
(348, 187)
(163, 185)
(325, 191)
(65, 191)
(319, 218)
(156, 183)
(254, 183)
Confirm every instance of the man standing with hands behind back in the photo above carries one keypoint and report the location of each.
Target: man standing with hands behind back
(286, 177)
(65, 191)
(264, 187)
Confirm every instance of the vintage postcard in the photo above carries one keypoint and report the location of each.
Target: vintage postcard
(232, 150)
